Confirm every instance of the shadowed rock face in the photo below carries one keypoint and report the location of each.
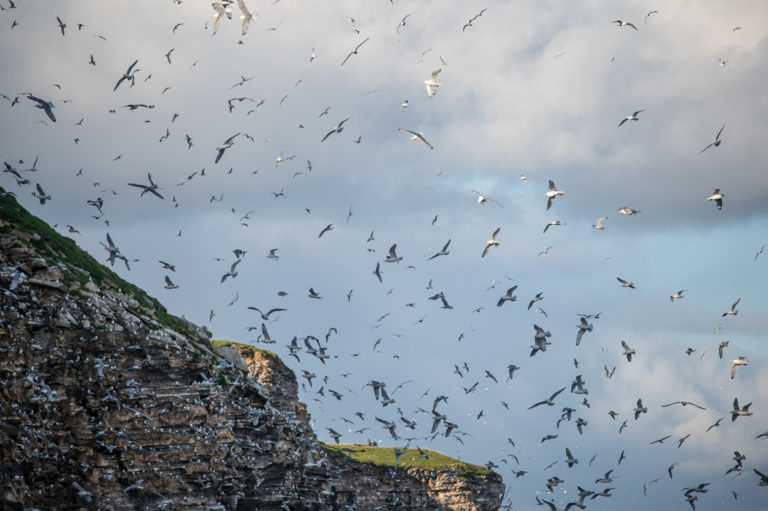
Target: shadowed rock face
(103, 407)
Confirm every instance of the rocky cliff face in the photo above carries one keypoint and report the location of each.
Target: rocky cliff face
(107, 402)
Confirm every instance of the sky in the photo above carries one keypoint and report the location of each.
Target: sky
(531, 91)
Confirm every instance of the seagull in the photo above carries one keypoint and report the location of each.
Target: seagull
(417, 136)
(552, 193)
(377, 271)
(492, 242)
(327, 228)
(354, 52)
(265, 316)
(622, 23)
(624, 283)
(313, 294)
(112, 250)
(169, 284)
(336, 129)
(392, 257)
(508, 297)
(151, 188)
(733, 311)
(718, 198)
(246, 17)
(539, 296)
(62, 25)
(469, 23)
(640, 408)
(660, 440)
(443, 251)
(678, 295)
(549, 401)
(599, 224)
(570, 460)
(41, 195)
(626, 210)
(483, 199)
(226, 145)
(550, 224)
(683, 403)
(583, 328)
(627, 351)
(721, 347)
(44, 105)
(632, 117)
(739, 412)
(759, 251)
(741, 361)
(648, 15)
(432, 83)
(222, 9)
(716, 142)
(128, 75)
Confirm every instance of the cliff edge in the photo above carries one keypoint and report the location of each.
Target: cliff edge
(109, 402)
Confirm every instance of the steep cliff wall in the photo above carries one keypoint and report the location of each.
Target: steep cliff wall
(108, 402)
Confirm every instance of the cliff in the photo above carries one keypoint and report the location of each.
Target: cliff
(109, 402)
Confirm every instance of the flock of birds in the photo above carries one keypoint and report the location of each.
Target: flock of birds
(321, 349)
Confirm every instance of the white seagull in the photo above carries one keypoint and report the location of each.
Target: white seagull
(246, 17)
(491, 242)
(552, 193)
(417, 136)
(599, 224)
(222, 9)
(432, 84)
(482, 199)
(741, 361)
(718, 198)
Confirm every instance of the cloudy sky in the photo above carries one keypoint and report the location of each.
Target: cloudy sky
(532, 88)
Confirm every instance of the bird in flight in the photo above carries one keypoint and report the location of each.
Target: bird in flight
(469, 23)
(129, 74)
(624, 283)
(491, 242)
(247, 16)
(716, 142)
(226, 145)
(632, 117)
(552, 193)
(622, 23)
(151, 188)
(44, 105)
(733, 311)
(432, 83)
(336, 129)
(354, 52)
(549, 401)
(483, 199)
(718, 198)
(417, 136)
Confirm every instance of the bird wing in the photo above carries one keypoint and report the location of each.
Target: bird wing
(719, 132)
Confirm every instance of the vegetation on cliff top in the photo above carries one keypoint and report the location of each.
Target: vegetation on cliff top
(59, 250)
(383, 456)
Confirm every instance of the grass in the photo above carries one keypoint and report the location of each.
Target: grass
(56, 249)
(383, 456)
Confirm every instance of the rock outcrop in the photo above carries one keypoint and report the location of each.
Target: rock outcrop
(109, 402)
